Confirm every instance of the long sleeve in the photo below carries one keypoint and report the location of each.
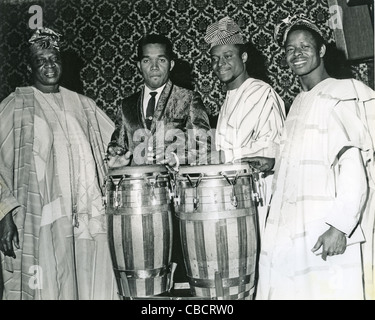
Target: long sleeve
(270, 115)
(7, 201)
(265, 138)
(251, 122)
(351, 186)
(198, 132)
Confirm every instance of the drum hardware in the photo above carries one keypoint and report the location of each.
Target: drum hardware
(173, 172)
(152, 185)
(258, 187)
(172, 192)
(127, 294)
(170, 282)
(220, 284)
(195, 187)
(116, 199)
(233, 198)
(104, 197)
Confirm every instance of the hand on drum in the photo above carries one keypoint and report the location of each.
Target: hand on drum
(117, 156)
(263, 164)
(164, 158)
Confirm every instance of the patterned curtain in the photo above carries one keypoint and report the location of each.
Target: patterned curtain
(100, 36)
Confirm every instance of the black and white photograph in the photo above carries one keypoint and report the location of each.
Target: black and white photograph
(186, 155)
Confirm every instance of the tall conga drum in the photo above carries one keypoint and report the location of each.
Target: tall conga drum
(140, 229)
(218, 226)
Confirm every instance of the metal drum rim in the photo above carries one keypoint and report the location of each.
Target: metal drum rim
(138, 171)
(216, 169)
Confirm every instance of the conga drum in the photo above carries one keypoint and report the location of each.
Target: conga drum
(217, 220)
(139, 229)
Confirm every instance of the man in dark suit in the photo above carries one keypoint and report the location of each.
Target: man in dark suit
(150, 134)
(161, 124)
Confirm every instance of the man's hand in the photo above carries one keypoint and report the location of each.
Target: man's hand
(263, 164)
(170, 160)
(333, 242)
(117, 156)
(8, 236)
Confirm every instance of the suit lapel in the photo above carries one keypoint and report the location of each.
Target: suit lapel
(140, 110)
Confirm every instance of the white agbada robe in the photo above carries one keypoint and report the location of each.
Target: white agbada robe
(313, 190)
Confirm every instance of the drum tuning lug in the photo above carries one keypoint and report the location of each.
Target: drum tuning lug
(171, 194)
(255, 198)
(233, 201)
(176, 200)
(116, 198)
(259, 187)
(196, 203)
(152, 193)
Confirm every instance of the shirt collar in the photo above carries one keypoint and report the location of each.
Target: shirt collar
(158, 90)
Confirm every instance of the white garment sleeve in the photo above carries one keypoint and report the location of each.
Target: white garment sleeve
(351, 189)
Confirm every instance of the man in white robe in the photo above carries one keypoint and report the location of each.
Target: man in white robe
(318, 240)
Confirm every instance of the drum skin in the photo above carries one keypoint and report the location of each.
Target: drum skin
(139, 229)
(218, 230)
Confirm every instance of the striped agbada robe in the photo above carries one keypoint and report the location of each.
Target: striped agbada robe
(56, 261)
(249, 125)
(321, 122)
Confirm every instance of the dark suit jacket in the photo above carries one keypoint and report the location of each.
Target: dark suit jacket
(179, 118)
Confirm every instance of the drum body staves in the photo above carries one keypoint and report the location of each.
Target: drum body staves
(218, 230)
(140, 229)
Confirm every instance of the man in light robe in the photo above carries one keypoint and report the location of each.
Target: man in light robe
(252, 116)
(318, 240)
(52, 149)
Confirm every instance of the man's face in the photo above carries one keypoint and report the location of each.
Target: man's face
(155, 65)
(46, 68)
(302, 54)
(227, 63)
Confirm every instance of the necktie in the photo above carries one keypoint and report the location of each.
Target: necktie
(150, 109)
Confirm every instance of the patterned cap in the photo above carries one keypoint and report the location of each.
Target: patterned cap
(283, 28)
(224, 31)
(44, 38)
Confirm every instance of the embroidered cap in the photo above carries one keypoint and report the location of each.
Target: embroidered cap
(283, 28)
(224, 31)
(45, 38)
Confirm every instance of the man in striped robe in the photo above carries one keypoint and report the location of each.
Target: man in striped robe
(252, 116)
(7, 204)
(52, 149)
(318, 241)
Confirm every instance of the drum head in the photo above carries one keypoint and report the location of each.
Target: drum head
(136, 171)
(215, 169)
